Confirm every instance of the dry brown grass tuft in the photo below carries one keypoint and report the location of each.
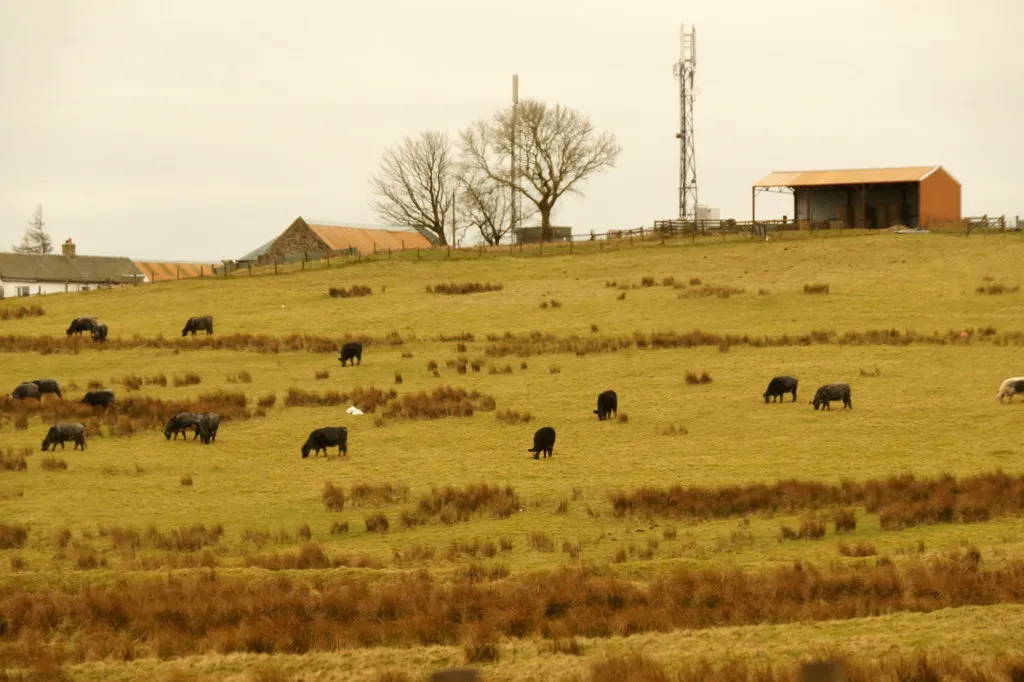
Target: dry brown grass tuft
(695, 380)
(243, 377)
(513, 417)
(623, 418)
(540, 541)
(12, 313)
(186, 481)
(861, 548)
(377, 523)
(322, 374)
(12, 536)
(333, 497)
(845, 520)
(267, 401)
(304, 532)
(562, 507)
(378, 494)
(482, 644)
(442, 402)
(708, 291)
(673, 430)
(366, 399)
(816, 288)
(11, 460)
(53, 463)
(996, 289)
(189, 379)
(453, 289)
(452, 505)
(353, 291)
(339, 528)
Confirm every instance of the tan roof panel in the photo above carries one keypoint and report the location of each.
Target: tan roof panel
(857, 176)
(364, 239)
(161, 271)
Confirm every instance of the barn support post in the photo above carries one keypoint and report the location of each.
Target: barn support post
(753, 204)
(864, 207)
(249, 267)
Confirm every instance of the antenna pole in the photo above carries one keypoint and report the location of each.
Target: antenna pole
(514, 143)
(684, 70)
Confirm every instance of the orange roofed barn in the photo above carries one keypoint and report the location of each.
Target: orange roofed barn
(915, 196)
(313, 239)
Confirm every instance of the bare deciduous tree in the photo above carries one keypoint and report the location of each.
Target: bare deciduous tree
(487, 206)
(557, 149)
(35, 239)
(415, 185)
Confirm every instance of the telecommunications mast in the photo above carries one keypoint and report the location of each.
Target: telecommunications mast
(684, 70)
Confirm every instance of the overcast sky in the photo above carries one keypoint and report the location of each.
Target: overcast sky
(199, 129)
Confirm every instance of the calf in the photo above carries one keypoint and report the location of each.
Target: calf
(195, 324)
(779, 387)
(100, 398)
(81, 324)
(1010, 387)
(25, 391)
(351, 351)
(59, 433)
(830, 392)
(607, 402)
(207, 427)
(99, 332)
(543, 441)
(326, 437)
(179, 423)
(48, 386)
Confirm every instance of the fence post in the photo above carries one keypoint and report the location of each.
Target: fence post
(249, 266)
(418, 252)
(389, 253)
(449, 251)
(570, 246)
(275, 266)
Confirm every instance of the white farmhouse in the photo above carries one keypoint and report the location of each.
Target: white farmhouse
(33, 274)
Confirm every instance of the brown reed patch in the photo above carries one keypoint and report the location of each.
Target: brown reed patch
(482, 644)
(398, 377)
(562, 507)
(477, 549)
(53, 463)
(540, 541)
(339, 528)
(182, 539)
(452, 504)
(457, 289)
(12, 536)
(554, 369)
(763, 292)
(621, 296)
(845, 520)
(442, 402)
(406, 355)
(861, 548)
(304, 532)
(378, 494)
(996, 289)
(267, 401)
(413, 556)
(12, 313)
(494, 369)
(871, 372)
(901, 501)
(243, 377)
(186, 481)
(513, 417)
(11, 460)
(623, 417)
(322, 374)
(333, 497)
(131, 382)
(367, 399)
(156, 380)
(673, 430)
(356, 290)
(816, 288)
(189, 379)
(377, 523)
(707, 291)
(697, 380)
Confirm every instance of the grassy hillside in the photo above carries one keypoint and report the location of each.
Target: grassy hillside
(124, 515)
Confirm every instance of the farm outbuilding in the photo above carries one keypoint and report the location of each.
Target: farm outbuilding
(313, 238)
(915, 196)
(30, 274)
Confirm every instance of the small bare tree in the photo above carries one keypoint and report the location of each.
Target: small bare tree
(486, 206)
(35, 239)
(557, 149)
(416, 185)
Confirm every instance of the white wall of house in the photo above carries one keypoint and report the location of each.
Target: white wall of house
(12, 288)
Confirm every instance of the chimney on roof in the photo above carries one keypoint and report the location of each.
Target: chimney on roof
(68, 247)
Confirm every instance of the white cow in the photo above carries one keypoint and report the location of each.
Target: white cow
(1010, 387)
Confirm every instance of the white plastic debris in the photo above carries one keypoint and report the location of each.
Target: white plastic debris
(354, 410)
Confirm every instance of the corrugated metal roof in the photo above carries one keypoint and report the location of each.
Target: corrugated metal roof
(339, 237)
(53, 268)
(259, 251)
(161, 271)
(856, 176)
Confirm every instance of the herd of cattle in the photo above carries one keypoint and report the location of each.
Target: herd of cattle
(205, 425)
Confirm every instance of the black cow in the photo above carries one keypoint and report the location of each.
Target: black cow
(48, 386)
(81, 324)
(99, 331)
(195, 324)
(179, 423)
(351, 351)
(326, 437)
(25, 391)
(207, 427)
(779, 387)
(59, 433)
(543, 441)
(607, 403)
(100, 398)
(830, 392)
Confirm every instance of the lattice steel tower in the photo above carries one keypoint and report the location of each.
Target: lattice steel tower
(684, 70)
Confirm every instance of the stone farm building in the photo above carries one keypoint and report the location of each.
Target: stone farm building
(317, 238)
(35, 274)
(915, 196)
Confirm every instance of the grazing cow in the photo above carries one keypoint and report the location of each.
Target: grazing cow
(100, 398)
(326, 437)
(59, 433)
(195, 324)
(179, 423)
(351, 351)
(830, 392)
(25, 391)
(48, 386)
(607, 402)
(207, 427)
(99, 332)
(81, 324)
(779, 387)
(543, 441)
(1010, 387)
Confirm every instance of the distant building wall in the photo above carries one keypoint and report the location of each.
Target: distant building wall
(940, 198)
